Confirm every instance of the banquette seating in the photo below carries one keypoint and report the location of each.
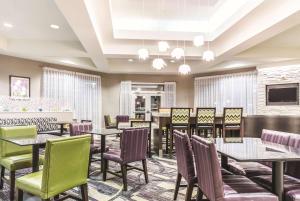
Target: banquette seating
(42, 124)
(227, 187)
(261, 173)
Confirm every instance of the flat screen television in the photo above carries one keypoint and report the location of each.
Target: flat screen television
(282, 94)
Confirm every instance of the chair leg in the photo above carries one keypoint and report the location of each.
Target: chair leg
(20, 195)
(199, 195)
(171, 141)
(84, 192)
(167, 141)
(90, 162)
(12, 178)
(1, 177)
(145, 170)
(105, 169)
(178, 180)
(124, 176)
(189, 192)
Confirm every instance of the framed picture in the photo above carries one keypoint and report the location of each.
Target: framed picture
(19, 87)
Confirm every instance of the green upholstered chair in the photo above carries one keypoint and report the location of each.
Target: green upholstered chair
(14, 157)
(65, 167)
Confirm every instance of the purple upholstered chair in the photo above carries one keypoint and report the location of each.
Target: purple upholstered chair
(121, 118)
(133, 148)
(228, 188)
(77, 128)
(292, 177)
(185, 163)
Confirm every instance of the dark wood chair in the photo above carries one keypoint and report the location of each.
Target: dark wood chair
(232, 120)
(180, 120)
(133, 148)
(144, 124)
(205, 121)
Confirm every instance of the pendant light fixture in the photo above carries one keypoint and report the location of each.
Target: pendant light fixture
(208, 55)
(199, 39)
(158, 63)
(143, 52)
(184, 68)
(163, 46)
(178, 52)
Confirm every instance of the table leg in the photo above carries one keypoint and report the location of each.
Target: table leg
(103, 145)
(61, 129)
(277, 179)
(224, 162)
(35, 158)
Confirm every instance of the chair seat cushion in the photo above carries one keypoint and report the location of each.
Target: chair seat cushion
(31, 183)
(18, 162)
(293, 195)
(237, 188)
(113, 155)
(290, 183)
(96, 149)
(291, 186)
(249, 169)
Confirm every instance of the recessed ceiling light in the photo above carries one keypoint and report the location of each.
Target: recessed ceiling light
(8, 25)
(130, 60)
(172, 61)
(54, 26)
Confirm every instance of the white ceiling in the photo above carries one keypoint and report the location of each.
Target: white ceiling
(103, 35)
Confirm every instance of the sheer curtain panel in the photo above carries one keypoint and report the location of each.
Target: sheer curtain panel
(125, 98)
(232, 90)
(81, 92)
(169, 97)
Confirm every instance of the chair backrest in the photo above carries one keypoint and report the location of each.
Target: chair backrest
(107, 120)
(122, 118)
(77, 128)
(10, 149)
(206, 115)
(180, 115)
(140, 124)
(232, 115)
(66, 164)
(293, 167)
(208, 168)
(184, 156)
(275, 136)
(134, 144)
(164, 110)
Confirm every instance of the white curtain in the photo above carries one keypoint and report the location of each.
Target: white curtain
(125, 98)
(169, 97)
(232, 90)
(81, 93)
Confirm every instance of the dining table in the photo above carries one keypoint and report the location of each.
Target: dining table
(103, 133)
(36, 142)
(256, 150)
(61, 125)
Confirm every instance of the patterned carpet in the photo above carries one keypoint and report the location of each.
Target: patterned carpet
(162, 176)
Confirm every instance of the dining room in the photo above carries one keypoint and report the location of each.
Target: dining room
(132, 100)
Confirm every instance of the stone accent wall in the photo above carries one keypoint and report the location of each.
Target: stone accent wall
(276, 75)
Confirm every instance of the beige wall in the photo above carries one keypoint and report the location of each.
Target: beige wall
(19, 67)
(110, 82)
(111, 89)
